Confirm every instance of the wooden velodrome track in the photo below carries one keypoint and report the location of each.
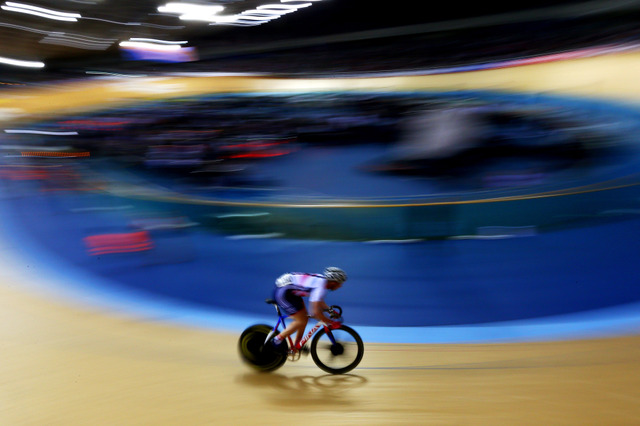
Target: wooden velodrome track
(63, 363)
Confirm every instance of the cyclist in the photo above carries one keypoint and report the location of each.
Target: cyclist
(289, 290)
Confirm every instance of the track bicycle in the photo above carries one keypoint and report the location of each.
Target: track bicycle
(335, 350)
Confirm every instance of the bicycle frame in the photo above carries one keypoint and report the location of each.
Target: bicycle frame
(256, 349)
(305, 339)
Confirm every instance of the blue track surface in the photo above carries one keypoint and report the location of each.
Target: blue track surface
(441, 288)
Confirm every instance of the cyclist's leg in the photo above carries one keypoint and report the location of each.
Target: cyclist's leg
(297, 325)
(292, 305)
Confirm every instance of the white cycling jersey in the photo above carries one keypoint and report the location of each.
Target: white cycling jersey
(312, 285)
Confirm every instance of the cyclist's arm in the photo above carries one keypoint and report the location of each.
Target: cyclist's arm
(317, 309)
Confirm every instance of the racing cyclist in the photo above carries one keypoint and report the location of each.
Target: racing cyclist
(289, 290)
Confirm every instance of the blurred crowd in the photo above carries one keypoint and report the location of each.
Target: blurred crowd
(217, 140)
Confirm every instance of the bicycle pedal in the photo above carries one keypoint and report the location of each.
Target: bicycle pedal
(293, 355)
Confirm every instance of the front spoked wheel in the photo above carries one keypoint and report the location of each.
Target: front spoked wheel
(341, 357)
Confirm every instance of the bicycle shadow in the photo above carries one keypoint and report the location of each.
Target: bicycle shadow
(307, 389)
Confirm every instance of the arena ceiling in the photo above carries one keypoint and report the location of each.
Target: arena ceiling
(37, 32)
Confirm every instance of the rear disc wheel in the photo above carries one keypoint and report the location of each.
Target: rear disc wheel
(257, 354)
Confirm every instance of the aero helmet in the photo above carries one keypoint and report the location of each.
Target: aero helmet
(331, 273)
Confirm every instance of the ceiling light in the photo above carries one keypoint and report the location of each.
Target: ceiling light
(40, 132)
(291, 7)
(19, 63)
(257, 16)
(147, 45)
(191, 12)
(153, 40)
(40, 11)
